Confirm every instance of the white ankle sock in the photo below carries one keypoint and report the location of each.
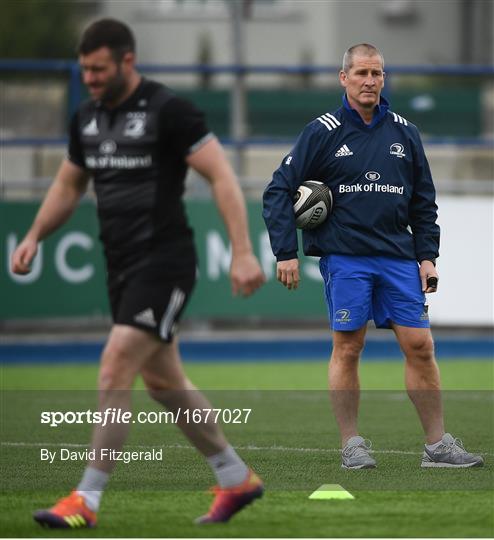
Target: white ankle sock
(91, 487)
(433, 446)
(228, 467)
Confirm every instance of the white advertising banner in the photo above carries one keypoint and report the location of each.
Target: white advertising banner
(466, 266)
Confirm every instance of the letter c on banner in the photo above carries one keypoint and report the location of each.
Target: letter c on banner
(73, 275)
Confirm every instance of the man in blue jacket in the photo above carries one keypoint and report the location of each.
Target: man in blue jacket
(378, 248)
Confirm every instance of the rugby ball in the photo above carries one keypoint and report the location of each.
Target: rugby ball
(312, 204)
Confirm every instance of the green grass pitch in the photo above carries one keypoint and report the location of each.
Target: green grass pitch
(290, 439)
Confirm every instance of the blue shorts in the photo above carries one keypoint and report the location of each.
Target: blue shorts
(385, 289)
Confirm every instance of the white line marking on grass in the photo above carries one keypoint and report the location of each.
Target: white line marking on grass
(274, 448)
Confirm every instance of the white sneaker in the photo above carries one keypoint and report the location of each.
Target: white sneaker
(355, 455)
(450, 453)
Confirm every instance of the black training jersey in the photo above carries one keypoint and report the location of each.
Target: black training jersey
(136, 154)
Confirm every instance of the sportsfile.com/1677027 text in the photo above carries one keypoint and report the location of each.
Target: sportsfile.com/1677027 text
(113, 415)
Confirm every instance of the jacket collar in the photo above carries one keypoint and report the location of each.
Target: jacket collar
(380, 112)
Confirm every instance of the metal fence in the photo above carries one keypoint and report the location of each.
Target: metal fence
(257, 111)
(449, 101)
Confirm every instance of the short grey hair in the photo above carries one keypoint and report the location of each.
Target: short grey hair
(362, 49)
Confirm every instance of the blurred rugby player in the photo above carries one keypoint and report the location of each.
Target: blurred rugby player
(136, 139)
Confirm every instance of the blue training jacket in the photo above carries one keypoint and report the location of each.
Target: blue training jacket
(383, 193)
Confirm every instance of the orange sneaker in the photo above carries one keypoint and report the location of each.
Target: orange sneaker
(69, 512)
(229, 501)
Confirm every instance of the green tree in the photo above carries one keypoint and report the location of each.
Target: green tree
(39, 28)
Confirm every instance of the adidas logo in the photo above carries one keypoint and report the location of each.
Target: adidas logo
(344, 151)
(145, 317)
(91, 128)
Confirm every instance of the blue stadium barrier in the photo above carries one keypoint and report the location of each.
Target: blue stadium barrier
(243, 351)
(7, 64)
(258, 141)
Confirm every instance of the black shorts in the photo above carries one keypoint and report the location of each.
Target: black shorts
(151, 299)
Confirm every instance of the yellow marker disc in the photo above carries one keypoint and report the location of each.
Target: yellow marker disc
(331, 491)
